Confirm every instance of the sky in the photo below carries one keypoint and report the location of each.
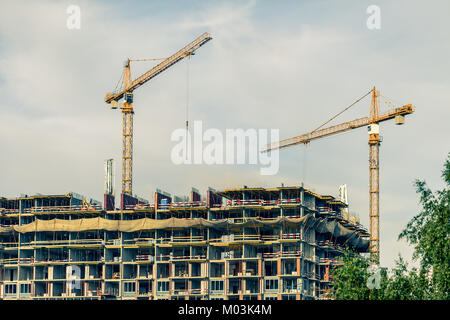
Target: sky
(287, 65)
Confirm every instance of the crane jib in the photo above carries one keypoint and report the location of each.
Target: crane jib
(357, 123)
(165, 64)
(126, 92)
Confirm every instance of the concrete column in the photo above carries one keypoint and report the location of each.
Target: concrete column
(278, 266)
(259, 268)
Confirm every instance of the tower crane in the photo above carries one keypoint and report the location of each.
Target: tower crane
(125, 93)
(372, 123)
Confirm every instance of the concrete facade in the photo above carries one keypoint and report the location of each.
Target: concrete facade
(240, 262)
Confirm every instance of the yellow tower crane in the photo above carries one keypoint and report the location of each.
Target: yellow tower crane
(372, 122)
(125, 92)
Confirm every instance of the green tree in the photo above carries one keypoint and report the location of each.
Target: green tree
(404, 284)
(349, 280)
(428, 232)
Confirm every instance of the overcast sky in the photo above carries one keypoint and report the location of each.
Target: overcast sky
(287, 65)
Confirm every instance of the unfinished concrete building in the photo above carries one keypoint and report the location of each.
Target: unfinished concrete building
(240, 244)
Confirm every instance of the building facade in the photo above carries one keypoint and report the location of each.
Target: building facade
(237, 244)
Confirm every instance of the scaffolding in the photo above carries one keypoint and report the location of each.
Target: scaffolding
(247, 243)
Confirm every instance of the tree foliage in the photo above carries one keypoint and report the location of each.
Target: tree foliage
(428, 232)
(350, 279)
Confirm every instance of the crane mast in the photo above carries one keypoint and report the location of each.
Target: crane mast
(372, 122)
(127, 134)
(126, 93)
(374, 174)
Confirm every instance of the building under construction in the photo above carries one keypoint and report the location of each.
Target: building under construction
(238, 244)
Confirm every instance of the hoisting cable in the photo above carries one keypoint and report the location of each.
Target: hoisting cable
(389, 101)
(120, 82)
(305, 151)
(341, 112)
(187, 105)
(328, 121)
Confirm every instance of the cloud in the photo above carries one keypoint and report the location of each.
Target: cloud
(289, 66)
